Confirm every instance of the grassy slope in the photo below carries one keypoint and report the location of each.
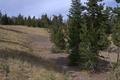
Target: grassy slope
(25, 55)
(17, 61)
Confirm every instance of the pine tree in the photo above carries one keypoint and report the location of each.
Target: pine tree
(38, 22)
(118, 1)
(20, 20)
(108, 12)
(10, 21)
(74, 32)
(33, 21)
(116, 30)
(97, 37)
(4, 20)
(29, 21)
(25, 21)
(0, 16)
(57, 35)
(45, 21)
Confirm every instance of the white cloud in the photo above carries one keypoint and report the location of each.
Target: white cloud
(38, 7)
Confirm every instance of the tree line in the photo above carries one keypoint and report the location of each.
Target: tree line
(44, 21)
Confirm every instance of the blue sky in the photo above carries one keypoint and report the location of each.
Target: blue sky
(38, 7)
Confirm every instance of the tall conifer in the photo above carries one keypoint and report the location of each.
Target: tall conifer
(97, 36)
(74, 32)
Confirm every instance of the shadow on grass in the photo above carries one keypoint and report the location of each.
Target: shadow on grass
(29, 58)
(58, 64)
(62, 63)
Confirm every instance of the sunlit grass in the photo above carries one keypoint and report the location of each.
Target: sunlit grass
(16, 56)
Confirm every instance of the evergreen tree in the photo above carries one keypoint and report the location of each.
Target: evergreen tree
(33, 21)
(57, 35)
(74, 32)
(10, 21)
(45, 21)
(38, 22)
(97, 36)
(60, 19)
(118, 1)
(116, 33)
(4, 20)
(108, 12)
(25, 20)
(116, 30)
(20, 20)
(0, 16)
(29, 21)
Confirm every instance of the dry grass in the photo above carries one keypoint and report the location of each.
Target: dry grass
(17, 60)
(12, 38)
(25, 71)
(25, 54)
(115, 73)
(25, 29)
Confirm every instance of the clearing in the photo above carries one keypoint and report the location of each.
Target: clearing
(25, 54)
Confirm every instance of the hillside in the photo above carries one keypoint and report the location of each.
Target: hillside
(20, 50)
(25, 54)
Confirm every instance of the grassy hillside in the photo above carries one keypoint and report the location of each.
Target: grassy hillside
(18, 55)
(25, 54)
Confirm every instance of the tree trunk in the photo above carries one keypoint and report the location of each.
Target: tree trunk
(118, 55)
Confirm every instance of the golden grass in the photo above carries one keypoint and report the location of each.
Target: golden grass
(26, 63)
(25, 29)
(21, 63)
(25, 71)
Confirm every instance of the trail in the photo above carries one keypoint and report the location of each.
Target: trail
(38, 40)
(42, 47)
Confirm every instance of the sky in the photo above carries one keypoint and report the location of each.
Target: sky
(39, 7)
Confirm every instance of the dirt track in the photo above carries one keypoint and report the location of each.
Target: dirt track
(42, 47)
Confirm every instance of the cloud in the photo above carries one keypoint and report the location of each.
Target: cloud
(111, 3)
(39, 7)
